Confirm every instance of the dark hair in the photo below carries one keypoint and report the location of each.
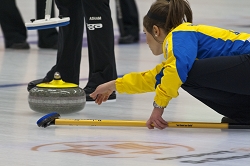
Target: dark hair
(167, 14)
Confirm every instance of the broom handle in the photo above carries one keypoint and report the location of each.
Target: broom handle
(94, 122)
(48, 9)
(120, 18)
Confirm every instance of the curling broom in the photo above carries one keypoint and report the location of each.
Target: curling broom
(47, 22)
(53, 119)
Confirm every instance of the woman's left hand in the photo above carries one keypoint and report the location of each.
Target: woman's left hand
(156, 119)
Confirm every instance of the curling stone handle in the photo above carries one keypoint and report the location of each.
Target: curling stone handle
(57, 76)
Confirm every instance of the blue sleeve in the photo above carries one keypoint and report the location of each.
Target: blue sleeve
(185, 46)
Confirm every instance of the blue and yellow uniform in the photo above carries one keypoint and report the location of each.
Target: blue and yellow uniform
(181, 48)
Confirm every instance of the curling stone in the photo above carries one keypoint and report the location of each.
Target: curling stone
(57, 96)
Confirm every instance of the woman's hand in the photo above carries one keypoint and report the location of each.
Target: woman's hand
(156, 119)
(103, 91)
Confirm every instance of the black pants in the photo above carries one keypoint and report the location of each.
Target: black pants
(128, 20)
(223, 84)
(100, 35)
(13, 27)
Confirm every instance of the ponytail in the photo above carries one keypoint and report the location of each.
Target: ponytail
(167, 14)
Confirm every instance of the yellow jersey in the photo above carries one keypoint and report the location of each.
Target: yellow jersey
(181, 47)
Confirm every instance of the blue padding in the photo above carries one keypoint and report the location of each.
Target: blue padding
(48, 26)
(46, 117)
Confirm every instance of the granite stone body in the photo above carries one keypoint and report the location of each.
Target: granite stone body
(60, 100)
